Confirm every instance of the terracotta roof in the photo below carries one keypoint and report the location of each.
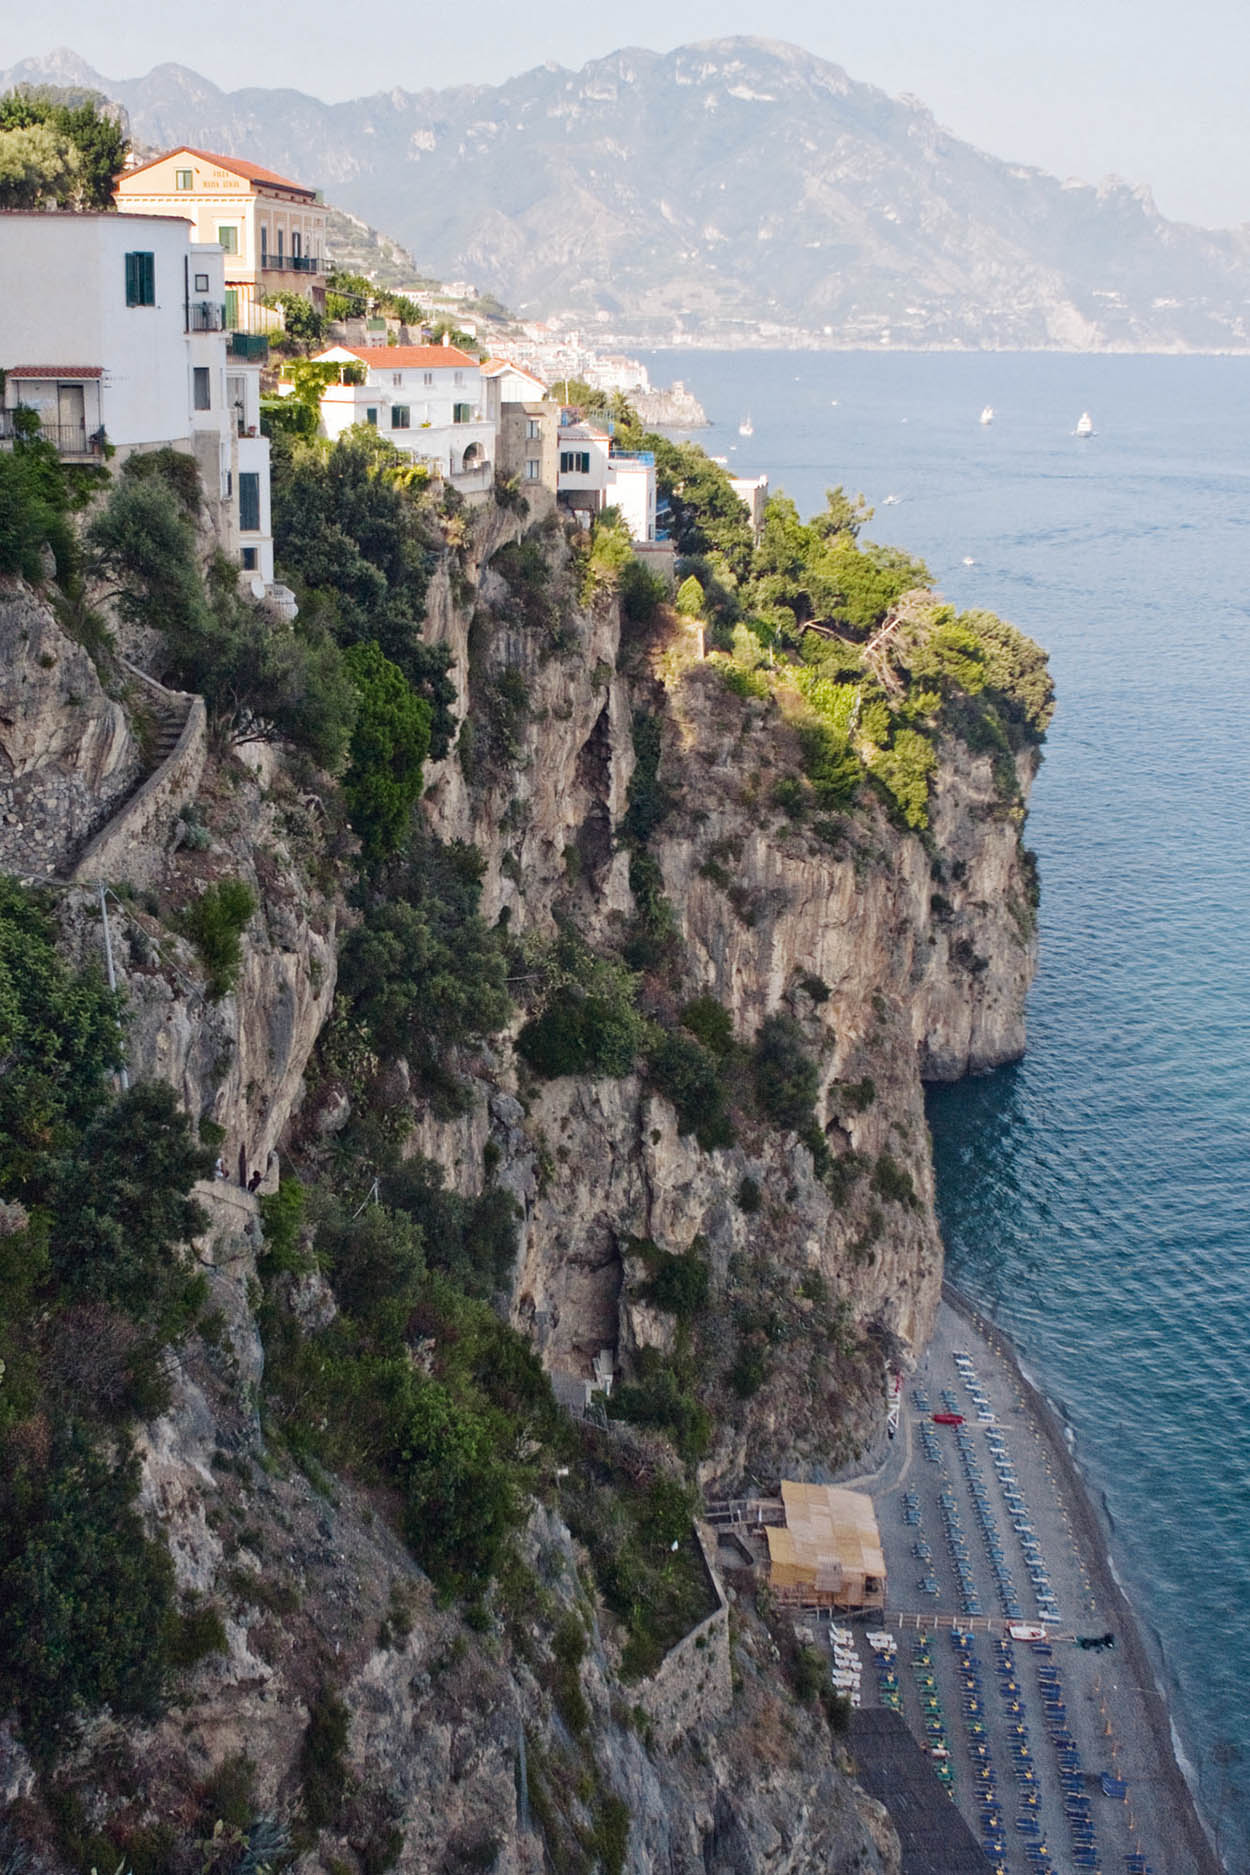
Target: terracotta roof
(237, 165)
(410, 357)
(56, 371)
(495, 367)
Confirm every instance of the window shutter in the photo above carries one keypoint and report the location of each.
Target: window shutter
(249, 501)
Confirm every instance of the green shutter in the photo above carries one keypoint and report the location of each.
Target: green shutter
(249, 502)
(140, 279)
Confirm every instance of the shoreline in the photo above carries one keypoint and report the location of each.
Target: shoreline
(1093, 1538)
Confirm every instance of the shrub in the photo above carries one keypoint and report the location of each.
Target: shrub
(590, 1023)
(678, 1284)
(215, 923)
(786, 1078)
(710, 1023)
(830, 765)
(690, 1077)
(749, 1196)
(657, 1399)
(323, 1759)
(893, 1181)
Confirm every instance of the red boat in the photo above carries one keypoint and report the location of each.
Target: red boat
(948, 1419)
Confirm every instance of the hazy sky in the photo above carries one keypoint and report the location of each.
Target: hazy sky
(1151, 90)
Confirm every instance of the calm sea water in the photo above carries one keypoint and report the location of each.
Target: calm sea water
(1095, 1197)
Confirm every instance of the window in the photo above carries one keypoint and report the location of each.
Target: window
(371, 415)
(249, 501)
(458, 377)
(429, 377)
(184, 179)
(462, 413)
(249, 559)
(280, 241)
(575, 462)
(264, 242)
(397, 377)
(201, 388)
(533, 469)
(297, 246)
(533, 429)
(228, 235)
(141, 279)
(201, 283)
(401, 417)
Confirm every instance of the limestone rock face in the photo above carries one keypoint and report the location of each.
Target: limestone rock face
(901, 962)
(67, 754)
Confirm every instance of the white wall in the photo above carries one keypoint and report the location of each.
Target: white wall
(64, 303)
(631, 488)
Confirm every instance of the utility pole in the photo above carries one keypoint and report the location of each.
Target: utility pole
(112, 976)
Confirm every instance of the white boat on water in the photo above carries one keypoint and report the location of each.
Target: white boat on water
(1085, 424)
(987, 415)
(746, 427)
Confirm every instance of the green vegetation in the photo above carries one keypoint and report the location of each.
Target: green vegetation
(58, 149)
(588, 1022)
(36, 497)
(215, 923)
(359, 544)
(390, 741)
(94, 1287)
(260, 679)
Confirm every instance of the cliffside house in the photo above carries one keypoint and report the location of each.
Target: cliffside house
(527, 424)
(428, 399)
(114, 329)
(594, 475)
(271, 230)
(752, 492)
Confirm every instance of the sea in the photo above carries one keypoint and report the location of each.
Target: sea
(1095, 1197)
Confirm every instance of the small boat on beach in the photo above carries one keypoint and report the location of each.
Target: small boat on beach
(1084, 424)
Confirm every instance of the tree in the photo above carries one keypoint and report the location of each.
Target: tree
(122, 1210)
(83, 140)
(389, 743)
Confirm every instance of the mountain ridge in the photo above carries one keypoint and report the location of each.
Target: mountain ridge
(654, 193)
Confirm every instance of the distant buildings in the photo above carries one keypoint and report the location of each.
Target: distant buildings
(114, 332)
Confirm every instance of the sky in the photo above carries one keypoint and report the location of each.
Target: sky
(1147, 90)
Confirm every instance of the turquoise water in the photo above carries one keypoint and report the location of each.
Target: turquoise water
(1094, 1197)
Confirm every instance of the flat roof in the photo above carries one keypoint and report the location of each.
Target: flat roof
(829, 1539)
(935, 1839)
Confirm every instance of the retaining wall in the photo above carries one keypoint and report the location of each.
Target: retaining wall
(131, 846)
(693, 1683)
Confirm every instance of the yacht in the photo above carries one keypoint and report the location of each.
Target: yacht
(746, 427)
(1085, 424)
(987, 415)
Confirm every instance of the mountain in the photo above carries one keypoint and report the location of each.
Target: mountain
(735, 189)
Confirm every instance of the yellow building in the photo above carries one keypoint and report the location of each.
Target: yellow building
(828, 1552)
(273, 230)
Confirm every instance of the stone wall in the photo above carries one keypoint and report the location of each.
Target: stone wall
(693, 1683)
(132, 845)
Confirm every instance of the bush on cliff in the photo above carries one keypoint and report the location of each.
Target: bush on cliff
(390, 741)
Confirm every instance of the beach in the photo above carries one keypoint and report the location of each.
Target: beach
(1060, 1757)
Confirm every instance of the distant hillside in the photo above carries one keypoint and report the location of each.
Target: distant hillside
(735, 188)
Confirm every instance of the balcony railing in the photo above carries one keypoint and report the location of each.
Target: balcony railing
(205, 315)
(293, 263)
(252, 346)
(68, 439)
(633, 455)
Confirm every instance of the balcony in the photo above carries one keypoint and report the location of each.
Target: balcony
(633, 455)
(74, 441)
(293, 263)
(251, 346)
(205, 315)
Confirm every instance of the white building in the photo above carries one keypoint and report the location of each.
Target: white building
(427, 399)
(752, 492)
(112, 329)
(594, 476)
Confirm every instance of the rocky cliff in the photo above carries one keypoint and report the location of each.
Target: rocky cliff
(341, 1692)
